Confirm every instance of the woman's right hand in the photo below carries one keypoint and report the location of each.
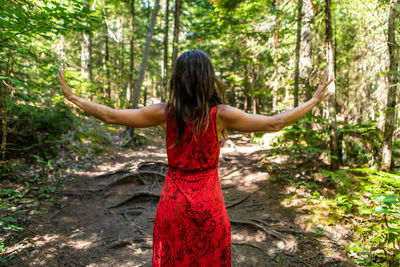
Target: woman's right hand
(64, 86)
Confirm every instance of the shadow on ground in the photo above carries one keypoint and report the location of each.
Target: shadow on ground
(81, 230)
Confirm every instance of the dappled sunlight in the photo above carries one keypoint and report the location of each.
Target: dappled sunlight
(79, 244)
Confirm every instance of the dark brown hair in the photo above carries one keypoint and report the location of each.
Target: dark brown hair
(194, 89)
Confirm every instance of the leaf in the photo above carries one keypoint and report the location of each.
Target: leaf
(365, 211)
(381, 209)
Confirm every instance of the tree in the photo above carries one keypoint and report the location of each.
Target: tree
(306, 65)
(107, 56)
(86, 54)
(332, 105)
(129, 91)
(393, 80)
(165, 62)
(145, 55)
(297, 60)
(176, 31)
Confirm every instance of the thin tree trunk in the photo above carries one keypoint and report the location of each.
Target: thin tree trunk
(165, 63)
(297, 62)
(86, 57)
(107, 59)
(253, 88)
(145, 55)
(129, 90)
(4, 94)
(332, 105)
(246, 87)
(176, 31)
(393, 80)
(306, 66)
(276, 66)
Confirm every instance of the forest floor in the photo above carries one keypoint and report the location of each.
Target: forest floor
(269, 226)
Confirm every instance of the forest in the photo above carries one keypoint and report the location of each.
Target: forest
(325, 191)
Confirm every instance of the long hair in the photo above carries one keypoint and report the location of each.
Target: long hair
(194, 89)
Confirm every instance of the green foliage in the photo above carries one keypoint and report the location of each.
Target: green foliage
(38, 131)
(302, 142)
(361, 143)
(370, 196)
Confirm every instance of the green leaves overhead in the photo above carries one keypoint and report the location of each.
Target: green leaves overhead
(26, 20)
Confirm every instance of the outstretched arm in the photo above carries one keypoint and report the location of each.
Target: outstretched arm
(148, 116)
(235, 119)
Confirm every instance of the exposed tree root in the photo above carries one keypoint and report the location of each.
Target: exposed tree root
(135, 196)
(289, 231)
(152, 165)
(228, 186)
(124, 243)
(260, 227)
(238, 202)
(253, 246)
(125, 178)
(111, 173)
(130, 211)
(131, 177)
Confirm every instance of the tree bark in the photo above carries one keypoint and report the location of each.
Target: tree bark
(86, 57)
(129, 90)
(145, 55)
(276, 75)
(332, 105)
(176, 31)
(306, 66)
(253, 88)
(107, 58)
(297, 61)
(393, 80)
(165, 63)
(4, 95)
(246, 87)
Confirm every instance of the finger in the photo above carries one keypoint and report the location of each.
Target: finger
(326, 76)
(327, 84)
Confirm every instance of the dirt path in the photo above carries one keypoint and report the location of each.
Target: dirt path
(81, 229)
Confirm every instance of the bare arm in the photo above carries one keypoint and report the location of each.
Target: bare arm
(148, 116)
(235, 119)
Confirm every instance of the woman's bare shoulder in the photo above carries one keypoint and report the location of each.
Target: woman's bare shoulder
(225, 111)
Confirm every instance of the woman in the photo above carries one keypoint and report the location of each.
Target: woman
(191, 226)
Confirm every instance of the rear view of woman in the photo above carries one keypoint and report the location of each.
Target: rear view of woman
(191, 226)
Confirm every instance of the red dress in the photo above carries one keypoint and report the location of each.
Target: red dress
(191, 226)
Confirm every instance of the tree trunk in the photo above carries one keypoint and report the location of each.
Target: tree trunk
(4, 94)
(393, 80)
(107, 58)
(246, 87)
(86, 57)
(176, 31)
(145, 55)
(332, 104)
(306, 66)
(165, 63)
(129, 90)
(297, 62)
(276, 76)
(253, 88)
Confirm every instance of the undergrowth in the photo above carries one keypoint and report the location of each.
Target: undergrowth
(357, 194)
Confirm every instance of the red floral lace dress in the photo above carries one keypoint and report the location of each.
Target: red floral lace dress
(191, 226)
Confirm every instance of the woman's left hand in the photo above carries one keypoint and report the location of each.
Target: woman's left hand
(322, 91)
(64, 86)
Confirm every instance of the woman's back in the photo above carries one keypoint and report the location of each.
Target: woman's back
(193, 153)
(192, 227)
